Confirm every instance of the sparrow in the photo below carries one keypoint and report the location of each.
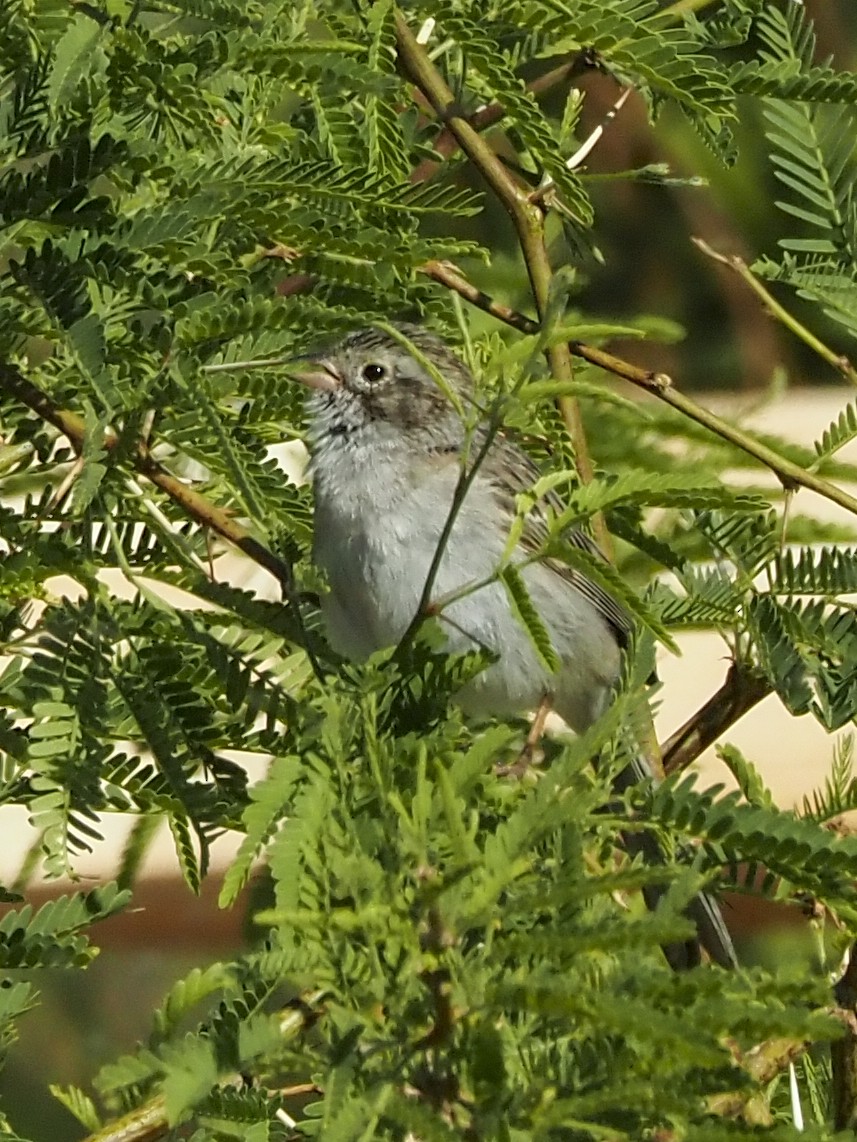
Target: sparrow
(396, 438)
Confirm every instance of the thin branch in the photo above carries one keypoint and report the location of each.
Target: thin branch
(145, 1124)
(437, 940)
(425, 76)
(465, 480)
(659, 385)
(446, 274)
(150, 1121)
(790, 475)
(67, 483)
(242, 366)
(195, 505)
(838, 362)
(762, 1063)
(527, 217)
(585, 148)
(843, 1052)
(743, 689)
(446, 143)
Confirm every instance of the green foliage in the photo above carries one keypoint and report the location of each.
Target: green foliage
(403, 860)
(54, 935)
(813, 159)
(448, 951)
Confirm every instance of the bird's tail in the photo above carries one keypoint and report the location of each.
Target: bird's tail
(711, 931)
(703, 910)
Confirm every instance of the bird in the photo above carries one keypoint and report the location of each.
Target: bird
(393, 420)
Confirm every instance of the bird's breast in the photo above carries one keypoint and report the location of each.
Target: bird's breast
(378, 522)
(377, 530)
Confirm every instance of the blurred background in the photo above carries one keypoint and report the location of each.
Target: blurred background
(643, 232)
(730, 348)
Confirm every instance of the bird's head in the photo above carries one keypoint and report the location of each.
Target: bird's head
(405, 381)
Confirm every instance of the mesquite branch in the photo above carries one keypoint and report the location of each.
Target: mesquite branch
(790, 475)
(151, 1121)
(743, 689)
(527, 216)
(197, 507)
(190, 501)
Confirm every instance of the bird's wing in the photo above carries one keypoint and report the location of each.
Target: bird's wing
(511, 471)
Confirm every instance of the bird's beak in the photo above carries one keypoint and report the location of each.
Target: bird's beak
(316, 373)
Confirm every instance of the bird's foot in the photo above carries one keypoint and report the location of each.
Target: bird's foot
(532, 752)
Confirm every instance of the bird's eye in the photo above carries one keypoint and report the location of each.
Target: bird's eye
(373, 373)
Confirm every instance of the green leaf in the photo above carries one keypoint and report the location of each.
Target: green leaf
(73, 56)
(78, 1103)
(528, 616)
